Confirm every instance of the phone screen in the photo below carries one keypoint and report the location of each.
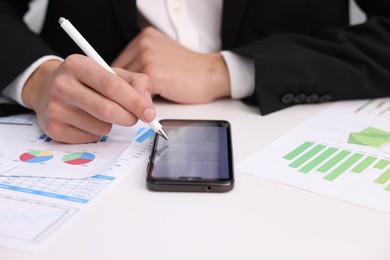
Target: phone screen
(195, 151)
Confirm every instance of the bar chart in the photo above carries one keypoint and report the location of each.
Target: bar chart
(143, 134)
(334, 161)
(43, 137)
(375, 107)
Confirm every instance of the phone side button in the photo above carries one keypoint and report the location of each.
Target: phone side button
(147, 167)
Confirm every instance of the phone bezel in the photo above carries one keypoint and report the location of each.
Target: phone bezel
(192, 184)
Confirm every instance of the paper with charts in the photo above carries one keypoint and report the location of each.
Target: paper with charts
(343, 152)
(25, 150)
(33, 210)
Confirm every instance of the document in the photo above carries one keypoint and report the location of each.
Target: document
(343, 152)
(25, 150)
(35, 209)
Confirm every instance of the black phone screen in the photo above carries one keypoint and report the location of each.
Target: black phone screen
(197, 150)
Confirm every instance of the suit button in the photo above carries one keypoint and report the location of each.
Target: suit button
(312, 98)
(325, 98)
(299, 98)
(288, 98)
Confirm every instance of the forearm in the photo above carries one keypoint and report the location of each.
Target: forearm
(339, 64)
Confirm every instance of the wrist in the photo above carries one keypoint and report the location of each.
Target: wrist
(37, 81)
(219, 76)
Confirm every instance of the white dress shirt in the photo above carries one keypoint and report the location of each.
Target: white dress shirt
(194, 24)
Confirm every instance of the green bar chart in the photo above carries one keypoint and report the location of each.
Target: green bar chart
(298, 150)
(383, 178)
(374, 107)
(302, 159)
(364, 164)
(381, 164)
(343, 167)
(333, 162)
(318, 160)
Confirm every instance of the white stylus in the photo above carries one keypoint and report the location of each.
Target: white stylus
(90, 52)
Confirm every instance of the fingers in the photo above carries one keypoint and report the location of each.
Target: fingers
(80, 100)
(69, 134)
(99, 106)
(105, 95)
(70, 124)
(77, 118)
(129, 53)
(141, 84)
(138, 81)
(140, 51)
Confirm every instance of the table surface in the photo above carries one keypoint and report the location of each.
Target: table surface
(258, 219)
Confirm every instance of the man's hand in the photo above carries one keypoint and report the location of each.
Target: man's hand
(77, 101)
(176, 73)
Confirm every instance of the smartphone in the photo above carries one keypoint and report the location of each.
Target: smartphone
(197, 157)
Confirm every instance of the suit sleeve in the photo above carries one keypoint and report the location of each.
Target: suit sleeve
(19, 46)
(337, 64)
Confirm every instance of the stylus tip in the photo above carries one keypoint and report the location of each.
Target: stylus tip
(162, 133)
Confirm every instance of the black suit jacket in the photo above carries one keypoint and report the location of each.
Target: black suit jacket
(304, 50)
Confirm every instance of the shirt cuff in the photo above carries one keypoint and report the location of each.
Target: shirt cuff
(241, 73)
(14, 90)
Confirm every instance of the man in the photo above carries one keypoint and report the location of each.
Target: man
(294, 52)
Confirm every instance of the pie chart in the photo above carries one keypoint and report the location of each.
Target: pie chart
(36, 156)
(78, 158)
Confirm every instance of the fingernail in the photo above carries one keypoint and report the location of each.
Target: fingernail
(149, 114)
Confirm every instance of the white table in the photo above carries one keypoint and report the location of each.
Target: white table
(259, 219)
